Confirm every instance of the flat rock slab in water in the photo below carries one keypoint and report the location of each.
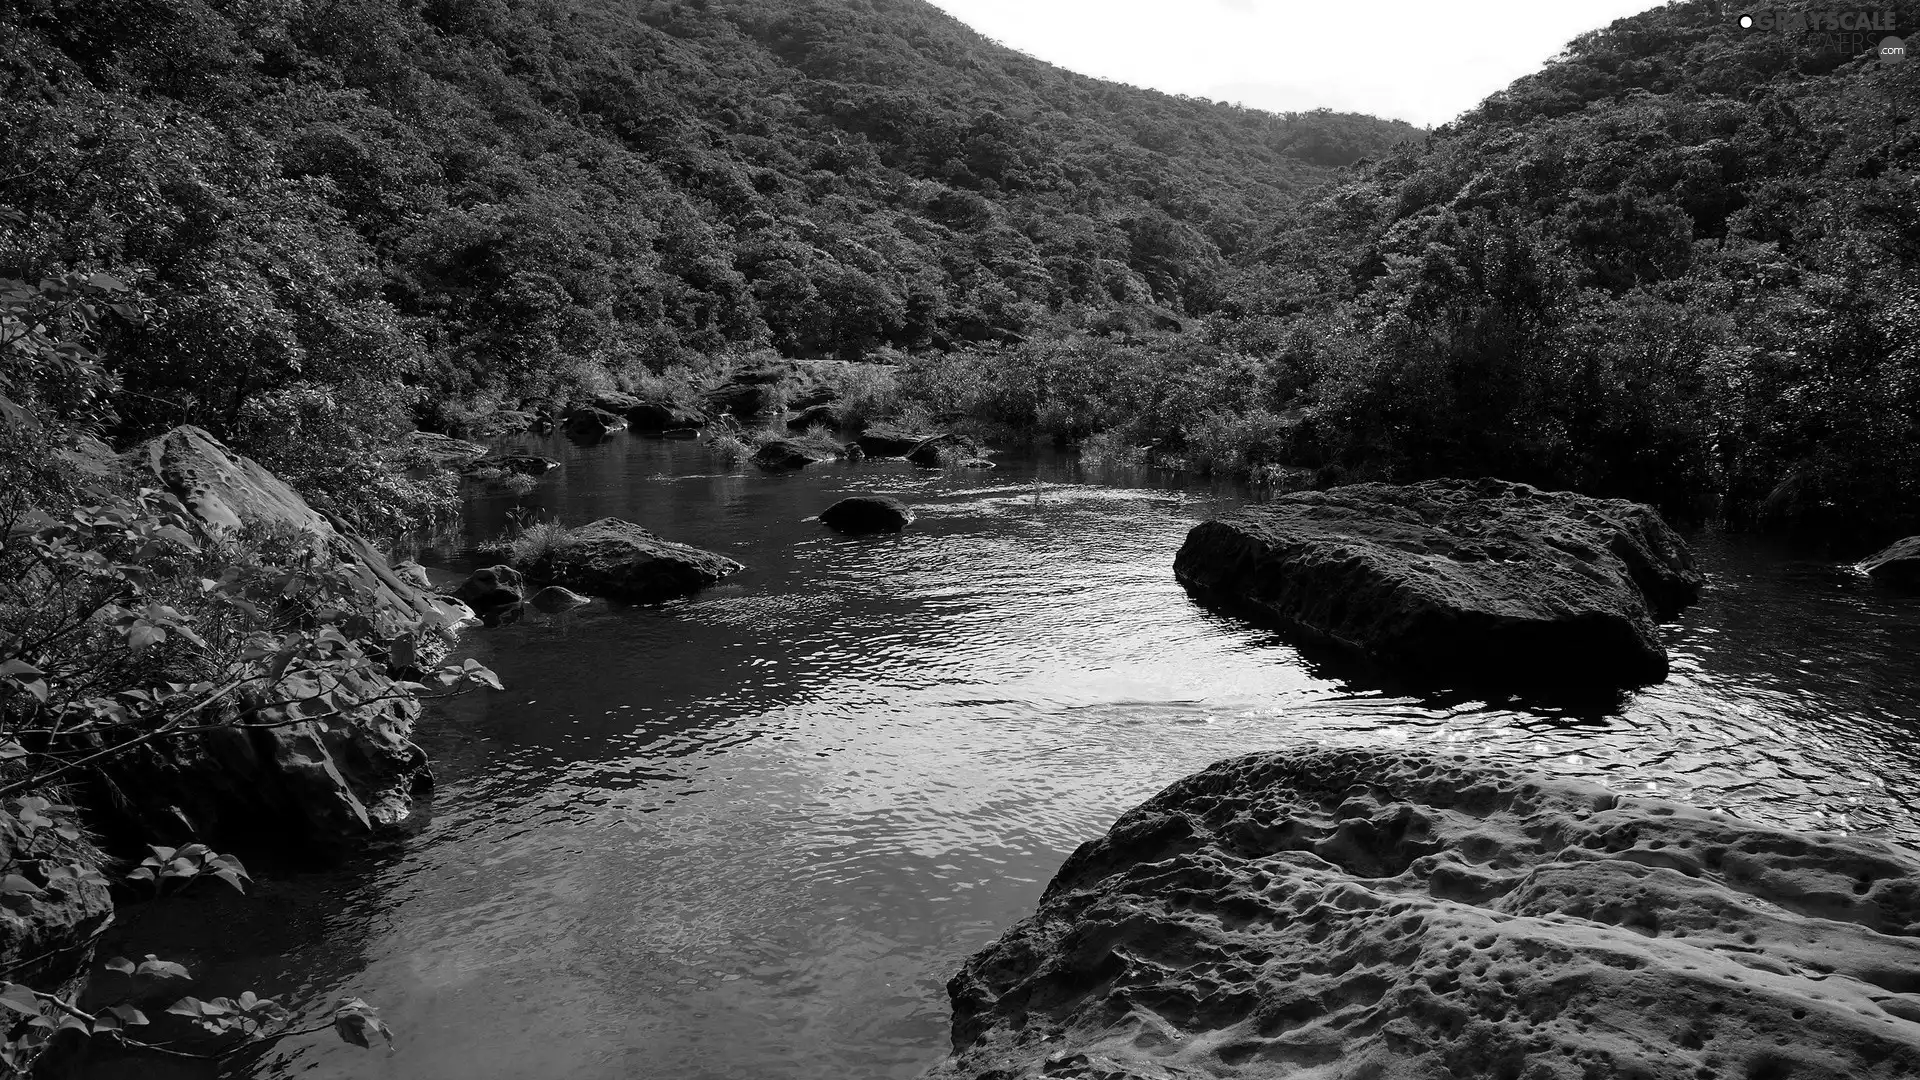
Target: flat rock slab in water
(622, 561)
(1899, 564)
(867, 514)
(782, 454)
(1476, 580)
(1348, 914)
(889, 442)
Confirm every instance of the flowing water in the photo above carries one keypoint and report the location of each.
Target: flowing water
(752, 834)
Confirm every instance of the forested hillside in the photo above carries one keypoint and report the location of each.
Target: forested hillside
(508, 200)
(1675, 264)
(1679, 264)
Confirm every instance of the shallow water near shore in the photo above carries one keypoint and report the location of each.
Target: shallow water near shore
(752, 834)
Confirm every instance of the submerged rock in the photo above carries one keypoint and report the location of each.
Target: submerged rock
(1347, 914)
(553, 599)
(1898, 564)
(622, 561)
(867, 514)
(1478, 580)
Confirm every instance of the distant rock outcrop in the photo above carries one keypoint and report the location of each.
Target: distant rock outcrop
(1476, 580)
(888, 442)
(1898, 564)
(867, 514)
(622, 561)
(1347, 914)
(588, 424)
(823, 416)
(527, 464)
(664, 418)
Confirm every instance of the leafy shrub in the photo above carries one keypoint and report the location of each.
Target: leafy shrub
(340, 447)
(729, 447)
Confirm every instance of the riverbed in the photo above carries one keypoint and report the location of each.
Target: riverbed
(751, 834)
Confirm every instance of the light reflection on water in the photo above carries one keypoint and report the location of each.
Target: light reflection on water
(752, 835)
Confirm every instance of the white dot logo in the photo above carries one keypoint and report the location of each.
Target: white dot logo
(1746, 22)
(1892, 50)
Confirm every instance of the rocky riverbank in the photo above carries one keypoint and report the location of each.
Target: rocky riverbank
(266, 767)
(1357, 913)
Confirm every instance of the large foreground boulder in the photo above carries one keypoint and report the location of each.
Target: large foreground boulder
(1898, 564)
(622, 561)
(1471, 580)
(1339, 915)
(859, 514)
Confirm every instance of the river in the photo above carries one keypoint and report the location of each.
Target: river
(752, 834)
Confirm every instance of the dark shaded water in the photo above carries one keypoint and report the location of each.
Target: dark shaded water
(751, 835)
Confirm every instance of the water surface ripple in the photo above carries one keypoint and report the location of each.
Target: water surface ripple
(752, 834)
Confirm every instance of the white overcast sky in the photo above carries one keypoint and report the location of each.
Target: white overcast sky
(1426, 62)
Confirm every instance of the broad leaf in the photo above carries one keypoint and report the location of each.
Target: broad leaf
(357, 1022)
(20, 999)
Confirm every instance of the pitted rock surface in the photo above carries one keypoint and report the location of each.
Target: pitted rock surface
(1477, 580)
(1365, 915)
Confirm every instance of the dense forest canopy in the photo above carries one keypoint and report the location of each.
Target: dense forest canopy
(510, 197)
